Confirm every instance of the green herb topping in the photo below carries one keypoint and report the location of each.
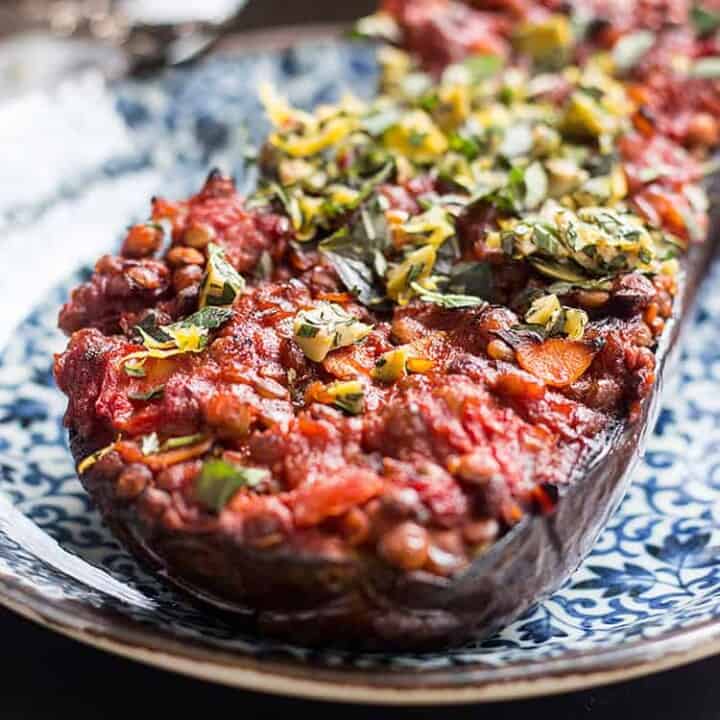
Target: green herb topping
(220, 480)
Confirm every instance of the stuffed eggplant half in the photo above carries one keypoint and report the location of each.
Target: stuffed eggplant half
(391, 398)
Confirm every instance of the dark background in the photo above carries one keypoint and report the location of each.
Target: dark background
(47, 676)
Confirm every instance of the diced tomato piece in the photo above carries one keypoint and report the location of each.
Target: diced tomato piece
(314, 502)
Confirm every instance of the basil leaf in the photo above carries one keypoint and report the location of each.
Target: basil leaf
(472, 278)
(270, 191)
(631, 48)
(465, 144)
(357, 253)
(208, 318)
(558, 271)
(509, 198)
(355, 275)
(521, 333)
(152, 394)
(564, 288)
(149, 326)
(450, 302)
(220, 480)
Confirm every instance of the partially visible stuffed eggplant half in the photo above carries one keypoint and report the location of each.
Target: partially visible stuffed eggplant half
(391, 398)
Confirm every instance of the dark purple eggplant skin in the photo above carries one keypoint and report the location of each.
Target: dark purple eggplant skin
(363, 603)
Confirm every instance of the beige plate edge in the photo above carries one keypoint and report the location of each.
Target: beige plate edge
(294, 680)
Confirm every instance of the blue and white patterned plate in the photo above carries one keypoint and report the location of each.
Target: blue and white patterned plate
(78, 166)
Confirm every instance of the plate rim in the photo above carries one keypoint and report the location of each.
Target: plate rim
(121, 636)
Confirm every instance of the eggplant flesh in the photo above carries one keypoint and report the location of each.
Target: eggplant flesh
(365, 604)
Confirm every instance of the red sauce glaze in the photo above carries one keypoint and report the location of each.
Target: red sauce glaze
(441, 462)
(437, 465)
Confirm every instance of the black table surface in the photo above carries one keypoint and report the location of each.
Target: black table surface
(48, 676)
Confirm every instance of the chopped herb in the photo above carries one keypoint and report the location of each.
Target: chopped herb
(558, 271)
(357, 253)
(187, 335)
(595, 93)
(221, 283)
(429, 102)
(149, 327)
(152, 394)
(90, 460)
(392, 365)
(465, 144)
(510, 197)
(306, 330)
(177, 442)
(265, 266)
(326, 327)
(270, 191)
(352, 403)
(220, 480)
(135, 369)
(417, 265)
(472, 278)
(358, 277)
(481, 67)
(208, 318)
(521, 333)
(565, 288)
(417, 138)
(631, 48)
(450, 302)
(348, 396)
(413, 273)
(707, 67)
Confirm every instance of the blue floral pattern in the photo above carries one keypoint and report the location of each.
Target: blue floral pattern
(655, 571)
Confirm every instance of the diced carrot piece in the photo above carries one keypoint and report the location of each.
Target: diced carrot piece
(336, 297)
(515, 384)
(420, 365)
(131, 453)
(557, 361)
(313, 503)
(317, 392)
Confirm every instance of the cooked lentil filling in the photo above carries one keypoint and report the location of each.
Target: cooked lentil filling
(435, 307)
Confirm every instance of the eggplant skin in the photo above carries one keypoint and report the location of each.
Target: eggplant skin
(364, 604)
